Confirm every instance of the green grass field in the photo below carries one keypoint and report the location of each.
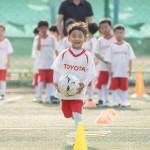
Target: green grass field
(26, 125)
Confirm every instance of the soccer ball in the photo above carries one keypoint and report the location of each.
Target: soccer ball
(68, 85)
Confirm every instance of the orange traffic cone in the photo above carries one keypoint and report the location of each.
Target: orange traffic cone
(104, 118)
(89, 104)
(112, 112)
(139, 86)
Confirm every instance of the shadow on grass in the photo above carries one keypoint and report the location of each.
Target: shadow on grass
(117, 109)
(71, 148)
(50, 105)
(142, 100)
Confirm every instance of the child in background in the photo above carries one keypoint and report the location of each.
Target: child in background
(35, 70)
(119, 60)
(45, 46)
(89, 46)
(5, 55)
(74, 56)
(65, 43)
(53, 31)
(101, 48)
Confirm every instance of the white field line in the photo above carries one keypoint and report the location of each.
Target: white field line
(11, 99)
(66, 128)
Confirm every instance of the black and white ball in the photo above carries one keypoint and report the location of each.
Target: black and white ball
(68, 85)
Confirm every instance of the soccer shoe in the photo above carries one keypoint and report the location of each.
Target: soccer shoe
(106, 104)
(47, 100)
(125, 105)
(54, 100)
(39, 100)
(2, 97)
(115, 104)
(35, 99)
(100, 102)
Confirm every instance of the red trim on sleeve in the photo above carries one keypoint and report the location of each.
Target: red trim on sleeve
(63, 54)
(87, 59)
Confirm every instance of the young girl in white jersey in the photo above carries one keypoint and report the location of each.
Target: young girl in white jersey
(76, 61)
(101, 48)
(5, 55)
(45, 46)
(119, 60)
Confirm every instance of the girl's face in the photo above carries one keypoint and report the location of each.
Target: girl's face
(77, 38)
(105, 29)
(119, 34)
(43, 30)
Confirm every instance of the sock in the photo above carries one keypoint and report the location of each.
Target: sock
(124, 95)
(39, 89)
(54, 90)
(105, 92)
(49, 90)
(3, 87)
(90, 92)
(119, 96)
(36, 90)
(77, 118)
(115, 97)
(100, 96)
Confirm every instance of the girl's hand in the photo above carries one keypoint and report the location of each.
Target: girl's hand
(56, 86)
(80, 88)
(129, 72)
(110, 73)
(7, 65)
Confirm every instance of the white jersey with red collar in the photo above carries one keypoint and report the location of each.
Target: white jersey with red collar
(77, 64)
(5, 49)
(45, 56)
(101, 48)
(119, 56)
(90, 44)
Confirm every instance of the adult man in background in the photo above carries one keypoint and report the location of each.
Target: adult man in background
(80, 10)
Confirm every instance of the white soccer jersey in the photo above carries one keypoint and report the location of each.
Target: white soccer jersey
(101, 48)
(5, 49)
(77, 64)
(45, 56)
(119, 56)
(90, 44)
(64, 44)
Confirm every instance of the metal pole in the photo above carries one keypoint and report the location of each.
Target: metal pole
(106, 9)
(116, 11)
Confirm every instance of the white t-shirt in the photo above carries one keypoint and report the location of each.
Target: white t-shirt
(79, 65)
(5, 49)
(90, 44)
(101, 48)
(119, 56)
(64, 44)
(45, 55)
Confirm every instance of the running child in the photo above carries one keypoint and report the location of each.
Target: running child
(74, 56)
